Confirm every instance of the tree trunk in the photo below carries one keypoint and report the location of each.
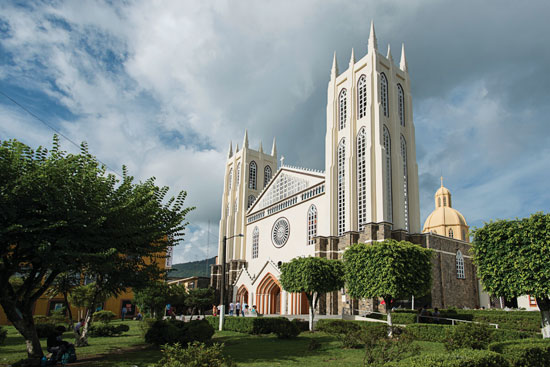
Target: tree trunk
(71, 321)
(312, 303)
(387, 300)
(544, 307)
(20, 315)
(82, 339)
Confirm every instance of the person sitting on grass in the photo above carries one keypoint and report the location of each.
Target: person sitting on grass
(56, 345)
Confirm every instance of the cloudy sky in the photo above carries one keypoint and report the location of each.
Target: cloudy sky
(163, 86)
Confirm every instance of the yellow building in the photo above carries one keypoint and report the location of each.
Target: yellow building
(445, 220)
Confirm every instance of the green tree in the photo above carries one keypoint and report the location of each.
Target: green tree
(64, 284)
(387, 269)
(62, 212)
(199, 298)
(513, 259)
(178, 296)
(314, 276)
(153, 299)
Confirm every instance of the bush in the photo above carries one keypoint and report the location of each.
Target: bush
(458, 358)
(253, 325)
(337, 326)
(515, 320)
(524, 352)
(195, 355)
(104, 316)
(302, 325)
(286, 329)
(3, 335)
(44, 330)
(172, 332)
(105, 329)
(469, 335)
(404, 317)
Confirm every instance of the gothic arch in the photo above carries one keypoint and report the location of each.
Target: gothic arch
(269, 295)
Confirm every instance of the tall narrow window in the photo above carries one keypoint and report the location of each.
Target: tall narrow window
(384, 94)
(451, 233)
(341, 187)
(463, 235)
(362, 96)
(405, 181)
(238, 174)
(401, 95)
(343, 109)
(252, 174)
(255, 242)
(236, 205)
(227, 211)
(362, 178)
(267, 175)
(311, 224)
(389, 197)
(444, 201)
(439, 202)
(460, 266)
(230, 179)
(251, 200)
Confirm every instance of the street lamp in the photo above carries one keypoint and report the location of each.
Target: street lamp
(222, 291)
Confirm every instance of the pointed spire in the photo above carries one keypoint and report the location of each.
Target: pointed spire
(245, 140)
(403, 64)
(274, 148)
(441, 181)
(237, 149)
(261, 148)
(352, 58)
(372, 37)
(388, 55)
(334, 70)
(230, 153)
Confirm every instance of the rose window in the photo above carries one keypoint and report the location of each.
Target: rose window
(280, 232)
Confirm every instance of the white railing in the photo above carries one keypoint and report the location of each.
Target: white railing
(437, 318)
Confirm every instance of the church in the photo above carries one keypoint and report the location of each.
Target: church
(367, 192)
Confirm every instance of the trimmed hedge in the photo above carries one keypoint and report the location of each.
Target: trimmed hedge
(163, 332)
(517, 320)
(104, 316)
(524, 352)
(260, 325)
(439, 333)
(106, 329)
(402, 317)
(459, 358)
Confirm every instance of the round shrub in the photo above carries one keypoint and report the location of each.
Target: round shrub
(197, 330)
(524, 352)
(195, 355)
(286, 329)
(469, 335)
(173, 331)
(161, 332)
(104, 316)
(104, 329)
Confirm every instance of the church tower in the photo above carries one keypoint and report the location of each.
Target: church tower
(371, 169)
(247, 172)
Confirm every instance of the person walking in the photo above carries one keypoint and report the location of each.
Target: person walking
(124, 312)
(231, 307)
(238, 308)
(214, 310)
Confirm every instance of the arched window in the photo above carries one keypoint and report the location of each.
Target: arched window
(389, 197)
(451, 233)
(267, 175)
(384, 94)
(252, 174)
(255, 242)
(230, 179)
(362, 96)
(251, 200)
(238, 174)
(405, 181)
(311, 224)
(439, 202)
(343, 109)
(341, 187)
(401, 95)
(361, 178)
(444, 201)
(463, 235)
(460, 266)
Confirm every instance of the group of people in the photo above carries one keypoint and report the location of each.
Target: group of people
(235, 309)
(424, 315)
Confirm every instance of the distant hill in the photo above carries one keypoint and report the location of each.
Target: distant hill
(191, 269)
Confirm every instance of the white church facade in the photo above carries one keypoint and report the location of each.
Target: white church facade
(367, 192)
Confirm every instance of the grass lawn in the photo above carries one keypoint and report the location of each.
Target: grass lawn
(247, 350)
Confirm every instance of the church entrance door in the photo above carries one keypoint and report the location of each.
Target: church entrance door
(268, 295)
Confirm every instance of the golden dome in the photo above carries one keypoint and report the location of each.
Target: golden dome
(444, 216)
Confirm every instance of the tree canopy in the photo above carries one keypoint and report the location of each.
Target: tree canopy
(314, 276)
(513, 259)
(387, 269)
(62, 212)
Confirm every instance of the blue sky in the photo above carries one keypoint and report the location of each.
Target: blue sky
(163, 88)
